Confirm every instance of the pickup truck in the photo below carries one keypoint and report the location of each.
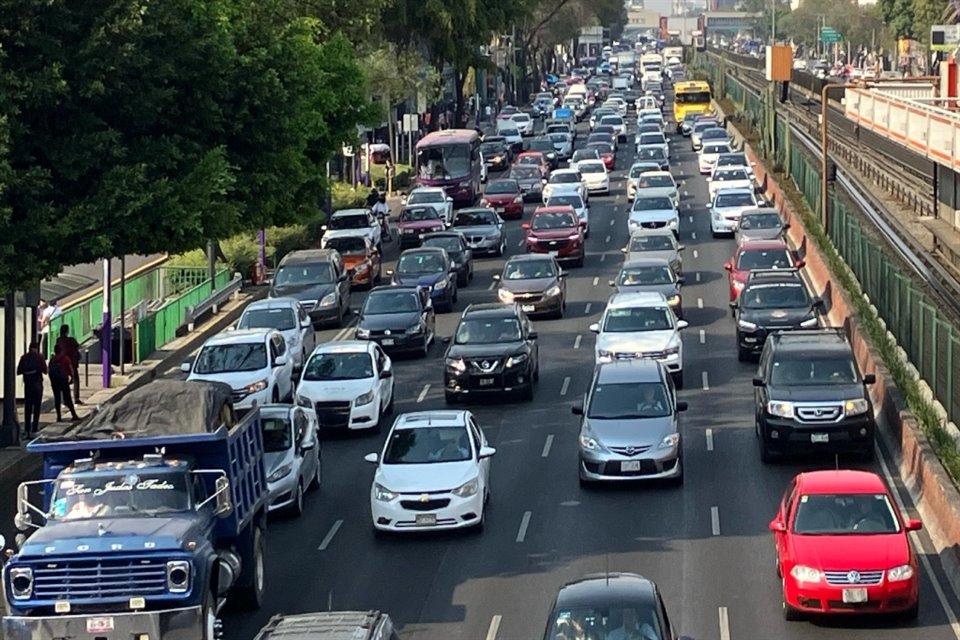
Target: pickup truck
(153, 511)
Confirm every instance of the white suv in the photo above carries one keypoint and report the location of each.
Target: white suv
(352, 223)
(641, 325)
(254, 362)
(348, 384)
(434, 197)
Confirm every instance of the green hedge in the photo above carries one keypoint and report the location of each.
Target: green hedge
(402, 176)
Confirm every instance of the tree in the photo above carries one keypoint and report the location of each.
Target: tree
(898, 16)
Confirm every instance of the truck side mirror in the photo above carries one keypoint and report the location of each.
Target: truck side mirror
(23, 504)
(224, 502)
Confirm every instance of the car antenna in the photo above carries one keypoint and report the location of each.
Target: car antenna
(606, 567)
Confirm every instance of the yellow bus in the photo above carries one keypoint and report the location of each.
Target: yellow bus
(692, 96)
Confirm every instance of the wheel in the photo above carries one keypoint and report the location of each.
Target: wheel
(210, 631)
(586, 484)
(678, 481)
(501, 249)
(317, 478)
(296, 509)
(425, 352)
(743, 355)
(251, 590)
(678, 379)
(470, 273)
(389, 409)
(579, 262)
(766, 456)
(463, 279)
(380, 534)
(379, 275)
(478, 528)
(789, 613)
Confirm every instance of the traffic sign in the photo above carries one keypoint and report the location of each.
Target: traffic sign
(829, 34)
(944, 37)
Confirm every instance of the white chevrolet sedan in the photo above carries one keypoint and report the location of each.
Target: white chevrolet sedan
(433, 473)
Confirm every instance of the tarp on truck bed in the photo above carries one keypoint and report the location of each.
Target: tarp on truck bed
(159, 408)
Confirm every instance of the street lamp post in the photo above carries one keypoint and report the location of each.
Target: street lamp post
(824, 153)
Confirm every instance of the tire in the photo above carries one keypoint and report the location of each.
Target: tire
(296, 509)
(389, 409)
(586, 484)
(766, 456)
(454, 298)
(789, 613)
(579, 262)
(379, 275)
(450, 398)
(743, 355)
(478, 528)
(501, 249)
(251, 591)
(209, 613)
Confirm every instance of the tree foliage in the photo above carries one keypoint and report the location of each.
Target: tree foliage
(139, 127)
(898, 17)
(859, 25)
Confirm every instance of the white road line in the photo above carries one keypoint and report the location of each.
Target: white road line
(686, 193)
(492, 285)
(612, 222)
(724, 624)
(576, 342)
(696, 254)
(691, 218)
(699, 303)
(596, 280)
(330, 534)
(918, 543)
(587, 308)
(607, 239)
(709, 439)
(565, 386)
(603, 257)
(524, 523)
(705, 380)
(698, 276)
(521, 242)
(715, 520)
(693, 235)
(423, 392)
(703, 336)
(546, 446)
(494, 628)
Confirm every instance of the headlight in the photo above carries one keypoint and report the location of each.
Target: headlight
(505, 296)
(366, 398)
(673, 300)
(456, 364)
(178, 576)
(673, 222)
(362, 334)
(812, 322)
(748, 326)
(467, 489)
(552, 291)
(803, 573)
(605, 356)
(589, 443)
(518, 200)
(259, 385)
(329, 300)
(441, 284)
(574, 236)
(280, 473)
(633, 223)
(21, 582)
(670, 441)
(901, 573)
(516, 360)
(780, 409)
(672, 350)
(303, 401)
(855, 407)
(414, 329)
(383, 494)
(363, 266)
(484, 203)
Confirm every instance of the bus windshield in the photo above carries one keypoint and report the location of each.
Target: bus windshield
(694, 97)
(444, 162)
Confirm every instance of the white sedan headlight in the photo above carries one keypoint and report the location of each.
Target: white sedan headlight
(382, 494)
(467, 489)
(365, 399)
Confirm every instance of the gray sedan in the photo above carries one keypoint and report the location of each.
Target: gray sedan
(483, 230)
(292, 455)
(761, 224)
(535, 282)
(655, 243)
(654, 275)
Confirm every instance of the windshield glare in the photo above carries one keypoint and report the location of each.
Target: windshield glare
(300, 275)
(529, 270)
(546, 221)
(736, 174)
(427, 445)
(764, 259)
(760, 221)
(383, 302)
(814, 370)
(277, 434)
(652, 204)
(591, 167)
(102, 495)
(279, 319)
(230, 358)
(417, 214)
(420, 263)
(637, 319)
(651, 243)
(338, 366)
(636, 276)
(572, 200)
(357, 221)
(845, 514)
(451, 244)
(734, 200)
(628, 400)
(564, 178)
(444, 162)
(774, 296)
(475, 219)
(502, 186)
(484, 331)
(655, 181)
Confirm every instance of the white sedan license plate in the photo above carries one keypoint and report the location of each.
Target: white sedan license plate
(527, 308)
(853, 596)
(819, 437)
(486, 382)
(100, 624)
(554, 253)
(388, 342)
(426, 519)
(630, 465)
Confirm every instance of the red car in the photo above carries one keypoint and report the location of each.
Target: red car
(557, 231)
(607, 154)
(756, 255)
(843, 547)
(505, 196)
(537, 159)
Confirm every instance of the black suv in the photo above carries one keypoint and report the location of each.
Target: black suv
(772, 300)
(494, 350)
(810, 396)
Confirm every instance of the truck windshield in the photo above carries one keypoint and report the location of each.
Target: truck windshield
(119, 495)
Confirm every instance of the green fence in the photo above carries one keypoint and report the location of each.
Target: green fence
(930, 339)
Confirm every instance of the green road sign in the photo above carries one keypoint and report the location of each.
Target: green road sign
(829, 34)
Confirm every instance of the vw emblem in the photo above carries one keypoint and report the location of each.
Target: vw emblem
(386, 332)
(853, 577)
(424, 497)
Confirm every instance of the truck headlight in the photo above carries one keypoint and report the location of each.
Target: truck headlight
(21, 582)
(855, 407)
(178, 576)
(780, 409)
(366, 398)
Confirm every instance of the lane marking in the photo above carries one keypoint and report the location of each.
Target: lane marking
(691, 218)
(596, 280)
(576, 342)
(330, 534)
(492, 286)
(709, 439)
(524, 523)
(565, 386)
(715, 520)
(693, 235)
(607, 239)
(696, 254)
(612, 222)
(546, 446)
(724, 624)
(703, 336)
(705, 380)
(699, 303)
(587, 309)
(423, 392)
(522, 240)
(603, 257)
(494, 627)
(698, 276)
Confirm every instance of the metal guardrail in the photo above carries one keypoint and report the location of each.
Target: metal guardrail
(213, 302)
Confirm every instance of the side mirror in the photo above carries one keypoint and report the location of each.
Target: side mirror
(819, 303)
(727, 266)
(595, 327)
(681, 279)
(682, 324)
(577, 410)
(372, 458)
(611, 283)
(682, 406)
(870, 379)
(681, 247)
(224, 502)
(449, 199)
(777, 526)
(910, 525)
(386, 373)
(623, 250)
(801, 263)
(758, 382)
(486, 452)
(445, 339)
(306, 324)
(525, 226)
(735, 305)
(323, 228)
(533, 335)
(279, 361)
(185, 366)
(496, 277)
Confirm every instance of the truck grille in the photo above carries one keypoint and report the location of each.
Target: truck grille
(104, 578)
(333, 414)
(819, 414)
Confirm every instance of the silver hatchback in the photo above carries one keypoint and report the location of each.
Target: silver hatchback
(629, 427)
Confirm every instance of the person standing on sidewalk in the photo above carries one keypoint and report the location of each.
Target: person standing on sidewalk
(60, 367)
(32, 367)
(71, 347)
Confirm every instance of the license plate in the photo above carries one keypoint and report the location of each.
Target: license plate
(388, 342)
(630, 465)
(527, 308)
(486, 382)
(751, 340)
(100, 624)
(501, 209)
(819, 437)
(854, 595)
(554, 253)
(426, 519)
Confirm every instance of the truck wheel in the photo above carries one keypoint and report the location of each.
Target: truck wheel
(210, 630)
(252, 590)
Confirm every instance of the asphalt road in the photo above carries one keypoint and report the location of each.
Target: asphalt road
(706, 544)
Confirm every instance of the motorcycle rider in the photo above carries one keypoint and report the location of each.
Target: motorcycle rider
(382, 211)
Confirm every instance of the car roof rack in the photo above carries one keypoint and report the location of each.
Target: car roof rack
(761, 274)
(808, 334)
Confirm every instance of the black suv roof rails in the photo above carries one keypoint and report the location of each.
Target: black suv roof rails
(807, 334)
(760, 274)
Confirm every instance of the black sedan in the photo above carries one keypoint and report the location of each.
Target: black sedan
(457, 248)
(398, 318)
(545, 146)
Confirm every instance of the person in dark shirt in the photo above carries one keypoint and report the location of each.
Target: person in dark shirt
(60, 378)
(71, 347)
(32, 367)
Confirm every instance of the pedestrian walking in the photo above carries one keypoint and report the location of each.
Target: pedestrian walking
(48, 312)
(32, 367)
(71, 347)
(60, 380)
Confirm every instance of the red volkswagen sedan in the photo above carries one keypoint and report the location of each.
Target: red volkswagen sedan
(557, 231)
(505, 196)
(843, 547)
(757, 255)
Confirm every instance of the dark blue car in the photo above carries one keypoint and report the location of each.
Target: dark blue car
(430, 268)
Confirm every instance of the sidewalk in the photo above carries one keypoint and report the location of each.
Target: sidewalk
(16, 464)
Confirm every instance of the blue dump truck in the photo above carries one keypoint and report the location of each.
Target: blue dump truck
(152, 513)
